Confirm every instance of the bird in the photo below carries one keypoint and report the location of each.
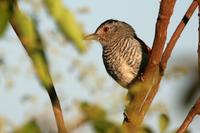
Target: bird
(125, 55)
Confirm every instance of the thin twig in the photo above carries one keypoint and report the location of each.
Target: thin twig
(177, 33)
(57, 110)
(199, 44)
(195, 110)
(27, 34)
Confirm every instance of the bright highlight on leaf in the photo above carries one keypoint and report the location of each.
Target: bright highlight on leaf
(66, 22)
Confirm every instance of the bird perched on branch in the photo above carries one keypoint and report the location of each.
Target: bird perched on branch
(125, 56)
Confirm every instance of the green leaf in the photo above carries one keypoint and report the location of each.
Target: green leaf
(30, 127)
(66, 22)
(163, 122)
(5, 13)
(92, 112)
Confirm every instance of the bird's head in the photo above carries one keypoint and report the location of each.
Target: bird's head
(110, 30)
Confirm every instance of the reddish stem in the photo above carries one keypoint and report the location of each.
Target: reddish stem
(176, 34)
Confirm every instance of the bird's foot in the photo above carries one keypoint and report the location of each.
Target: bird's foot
(141, 77)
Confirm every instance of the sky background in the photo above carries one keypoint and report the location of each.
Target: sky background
(17, 79)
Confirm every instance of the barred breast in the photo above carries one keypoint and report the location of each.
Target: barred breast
(122, 60)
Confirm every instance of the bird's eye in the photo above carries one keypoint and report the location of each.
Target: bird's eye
(105, 29)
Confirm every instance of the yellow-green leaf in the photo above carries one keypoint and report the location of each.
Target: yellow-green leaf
(30, 127)
(163, 122)
(41, 67)
(92, 112)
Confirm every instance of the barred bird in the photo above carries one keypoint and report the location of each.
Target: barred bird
(125, 56)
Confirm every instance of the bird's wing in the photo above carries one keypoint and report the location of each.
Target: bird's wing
(146, 49)
(145, 55)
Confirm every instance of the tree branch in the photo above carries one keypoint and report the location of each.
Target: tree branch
(165, 13)
(141, 93)
(176, 34)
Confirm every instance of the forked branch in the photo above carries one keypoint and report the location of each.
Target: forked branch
(138, 92)
(142, 93)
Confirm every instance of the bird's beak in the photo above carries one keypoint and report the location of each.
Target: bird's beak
(92, 36)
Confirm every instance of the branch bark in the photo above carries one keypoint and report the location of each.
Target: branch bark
(165, 13)
(198, 1)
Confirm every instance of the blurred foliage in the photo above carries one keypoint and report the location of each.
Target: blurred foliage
(163, 122)
(66, 22)
(176, 72)
(29, 98)
(145, 129)
(5, 14)
(29, 127)
(30, 38)
(28, 35)
(98, 118)
(2, 124)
